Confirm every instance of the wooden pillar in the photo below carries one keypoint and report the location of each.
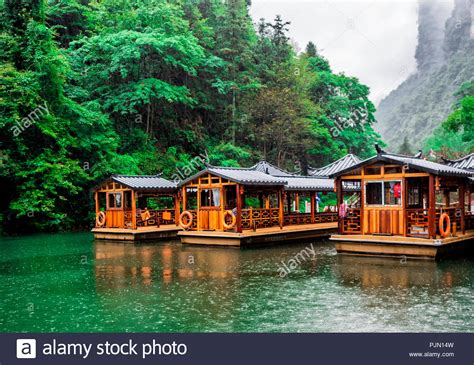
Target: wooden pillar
(313, 205)
(198, 208)
(362, 200)
(134, 210)
(297, 202)
(431, 207)
(339, 199)
(405, 204)
(183, 197)
(97, 209)
(280, 207)
(267, 201)
(462, 196)
(177, 210)
(238, 197)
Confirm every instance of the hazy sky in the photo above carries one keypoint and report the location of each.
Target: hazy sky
(372, 40)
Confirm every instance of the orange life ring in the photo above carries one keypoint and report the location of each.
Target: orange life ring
(100, 219)
(442, 231)
(234, 219)
(190, 219)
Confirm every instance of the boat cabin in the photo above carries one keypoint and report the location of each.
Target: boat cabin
(396, 195)
(237, 199)
(131, 202)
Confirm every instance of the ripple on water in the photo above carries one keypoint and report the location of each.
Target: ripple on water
(124, 287)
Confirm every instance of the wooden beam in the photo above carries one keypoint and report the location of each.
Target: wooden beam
(239, 207)
(313, 205)
(362, 201)
(462, 197)
(134, 210)
(339, 199)
(96, 196)
(177, 210)
(280, 208)
(184, 198)
(198, 209)
(404, 204)
(431, 207)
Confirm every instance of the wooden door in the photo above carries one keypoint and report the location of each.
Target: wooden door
(210, 219)
(383, 221)
(114, 219)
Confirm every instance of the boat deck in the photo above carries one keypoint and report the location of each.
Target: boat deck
(262, 236)
(399, 246)
(163, 232)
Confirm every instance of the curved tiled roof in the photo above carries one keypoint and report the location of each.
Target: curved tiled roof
(341, 164)
(309, 183)
(410, 161)
(465, 163)
(150, 182)
(267, 168)
(245, 176)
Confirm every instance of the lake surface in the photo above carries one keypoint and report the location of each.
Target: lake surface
(69, 283)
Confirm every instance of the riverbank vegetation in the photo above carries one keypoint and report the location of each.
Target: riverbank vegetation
(140, 87)
(144, 86)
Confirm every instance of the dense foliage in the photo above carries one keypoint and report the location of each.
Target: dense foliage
(143, 86)
(454, 138)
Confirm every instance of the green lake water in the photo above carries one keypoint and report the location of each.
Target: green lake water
(69, 283)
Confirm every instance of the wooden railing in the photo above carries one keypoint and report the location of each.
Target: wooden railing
(417, 222)
(305, 218)
(351, 223)
(260, 218)
(156, 217)
(297, 218)
(326, 217)
(194, 223)
(454, 214)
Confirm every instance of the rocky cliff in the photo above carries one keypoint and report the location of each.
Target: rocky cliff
(444, 55)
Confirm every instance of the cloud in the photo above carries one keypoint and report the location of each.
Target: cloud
(372, 40)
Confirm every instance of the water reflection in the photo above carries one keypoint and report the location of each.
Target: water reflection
(374, 272)
(117, 264)
(176, 287)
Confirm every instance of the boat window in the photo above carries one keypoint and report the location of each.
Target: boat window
(392, 192)
(373, 192)
(102, 201)
(414, 196)
(210, 197)
(115, 200)
(191, 199)
(128, 199)
(230, 197)
(383, 193)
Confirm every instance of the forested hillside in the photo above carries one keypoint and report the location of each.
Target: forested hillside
(140, 87)
(444, 55)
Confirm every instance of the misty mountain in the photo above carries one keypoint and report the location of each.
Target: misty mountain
(444, 55)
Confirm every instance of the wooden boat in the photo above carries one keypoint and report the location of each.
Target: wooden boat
(253, 206)
(404, 206)
(135, 208)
